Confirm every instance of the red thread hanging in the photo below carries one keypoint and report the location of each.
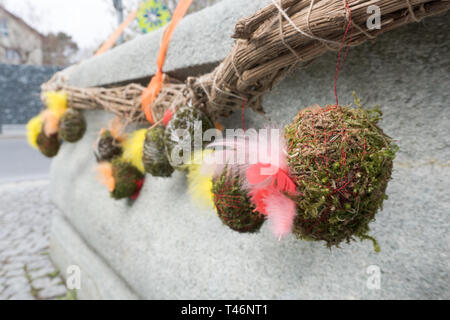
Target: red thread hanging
(338, 64)
(243, 115)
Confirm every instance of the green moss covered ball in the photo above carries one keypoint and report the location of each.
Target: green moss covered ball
(128, 179)
(49, 146)
(185, 120)
(233, 206)
(107, 147)
(341, 162)
(72, 126)
(154, 155)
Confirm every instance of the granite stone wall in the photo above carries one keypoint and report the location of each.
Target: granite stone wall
(20, 88)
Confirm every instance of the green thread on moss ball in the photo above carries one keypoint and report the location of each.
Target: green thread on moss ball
(341, 162)
(126, 178)
(233, 205)
(72, 126)
(185, 120)
(108, 147)
(49, 146)
(154, 155)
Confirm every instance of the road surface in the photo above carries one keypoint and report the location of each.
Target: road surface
(26, 212)
(18, 161)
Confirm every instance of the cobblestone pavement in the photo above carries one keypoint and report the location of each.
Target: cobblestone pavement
(26, 272)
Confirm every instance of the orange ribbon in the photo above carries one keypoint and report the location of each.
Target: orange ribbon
(117, 33)
(150, 94)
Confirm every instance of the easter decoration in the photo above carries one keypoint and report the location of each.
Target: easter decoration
(154, 156)
(55, 122)
(72, 126)
(184, 132)
(323, 178)
(119, 157)
(233, 205)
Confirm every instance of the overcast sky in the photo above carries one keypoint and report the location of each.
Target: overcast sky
(89, 22)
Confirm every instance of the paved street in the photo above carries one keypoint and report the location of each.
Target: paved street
(26, 212)
(26, 271)
(19, 161)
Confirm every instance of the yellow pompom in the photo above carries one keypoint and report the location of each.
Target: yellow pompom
(56, 102)
(133, 147)
(34, 127)
(200, 182)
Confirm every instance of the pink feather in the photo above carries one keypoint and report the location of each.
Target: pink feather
(168, 115)
(284, 182)
(265, 177)
(280, 211)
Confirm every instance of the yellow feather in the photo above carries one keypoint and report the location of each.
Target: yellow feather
(200, 183)
(133, 147)
(56, 102)
(34, 127)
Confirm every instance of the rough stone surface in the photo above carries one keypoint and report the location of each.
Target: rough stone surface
(200, 41)
(20, 89)
(97, 280)
(165, 247)
(26, 271)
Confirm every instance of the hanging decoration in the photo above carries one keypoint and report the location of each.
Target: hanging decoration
(341, 162)
(48, 145)
(267, 181)
(154, 153)
(120, 166)
(152, 15)
(323, 180)
(233, 205)
(325, 183)
(185, 132)
(122, 179)
(72, 126)
(109, 142)
(55, 122)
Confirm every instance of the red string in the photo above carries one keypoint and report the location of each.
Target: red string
(139, 185)
(338, 64)
(243, 114)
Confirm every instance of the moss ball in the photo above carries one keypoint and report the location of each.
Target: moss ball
(233, 206)
(108, 147)
(186, 120)
(154, 156)
(49, 146)
(341, 162)
(127, 179)
(72, 126)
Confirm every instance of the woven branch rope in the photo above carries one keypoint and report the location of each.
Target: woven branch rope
(269, 44)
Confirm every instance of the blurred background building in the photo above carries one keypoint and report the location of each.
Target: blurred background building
(19, 42)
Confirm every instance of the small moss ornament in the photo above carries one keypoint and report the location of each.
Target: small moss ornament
(128, 180)
(72, 125)
(191, 122)
(154, 155)
(108, 147)
(341, 162)
(49, 146)
(233, 205)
